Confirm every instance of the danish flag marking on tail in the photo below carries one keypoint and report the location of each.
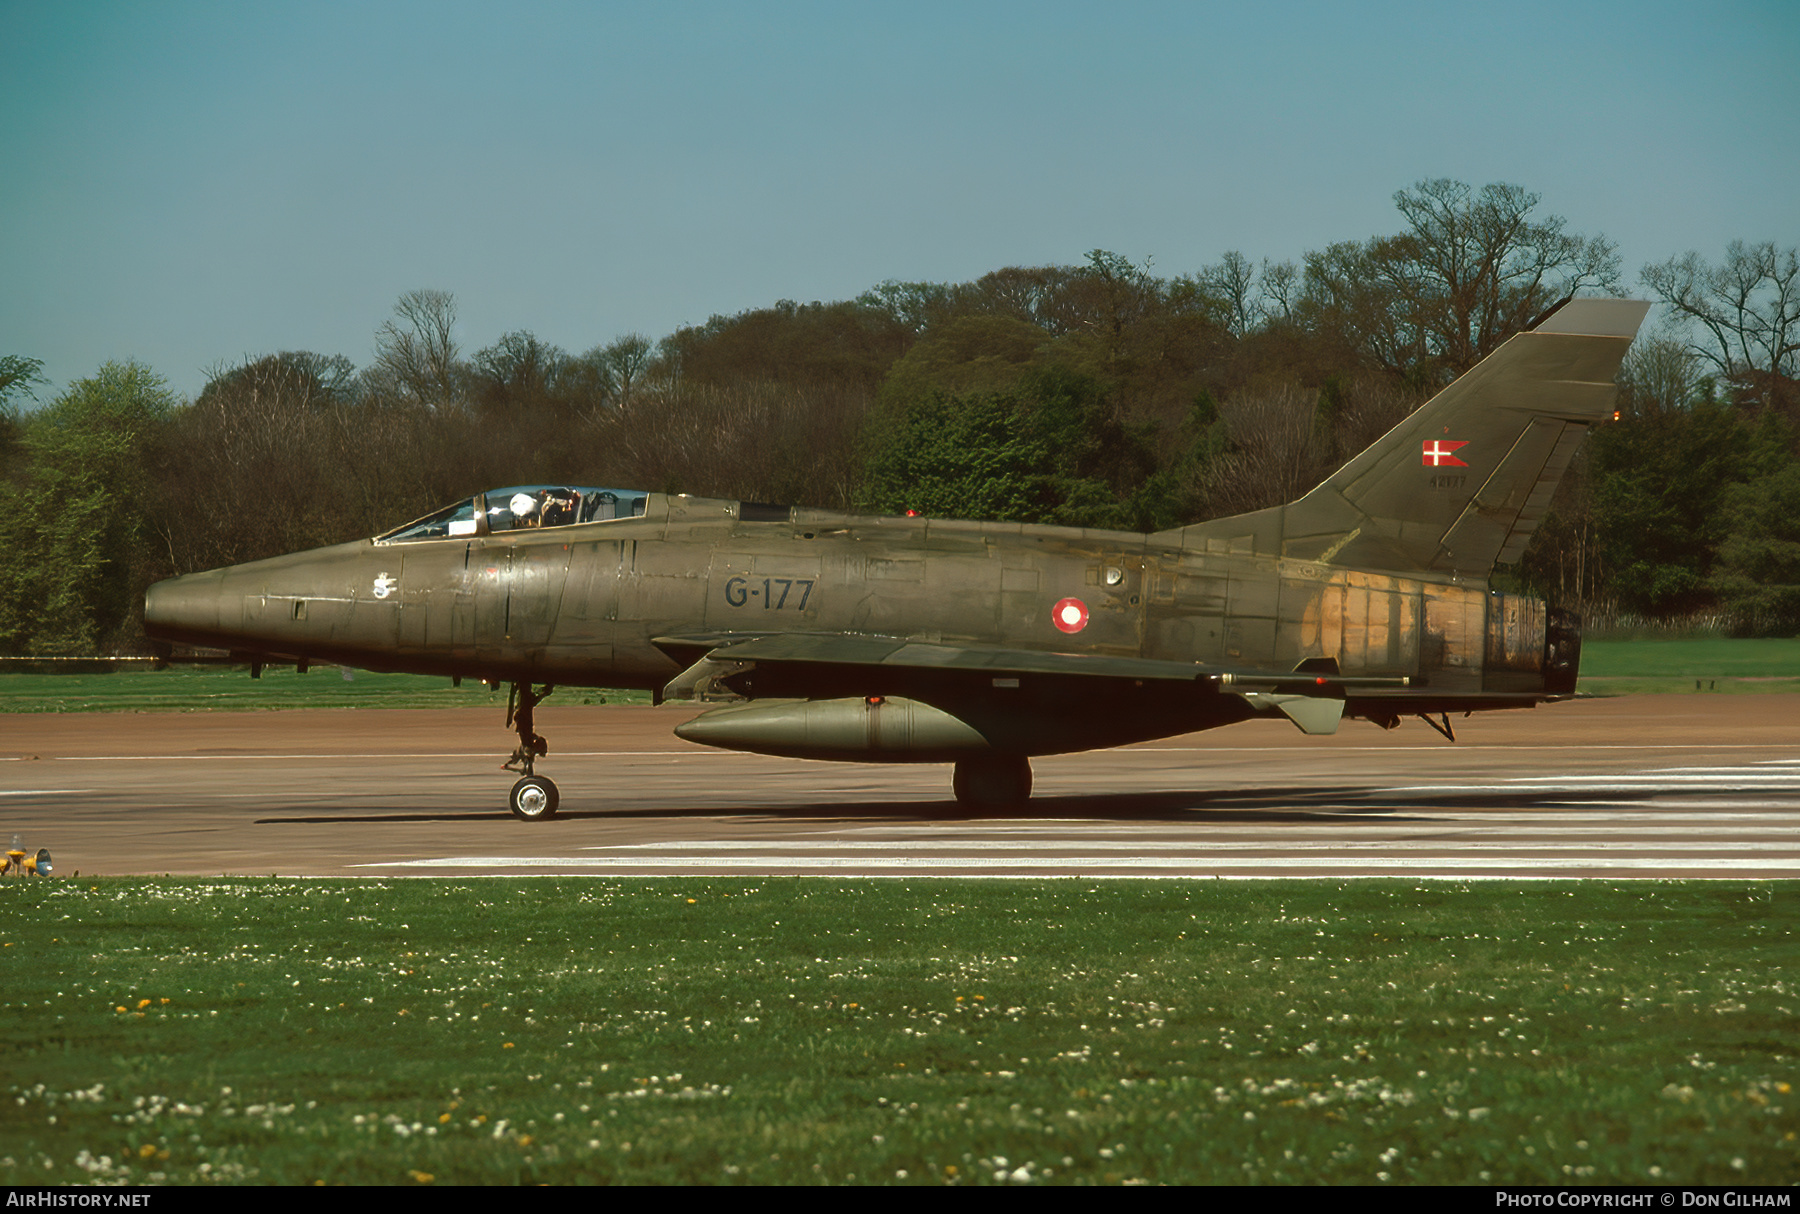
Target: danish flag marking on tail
(1437, 453)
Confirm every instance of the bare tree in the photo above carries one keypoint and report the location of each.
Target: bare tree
(415, 351)
(1232, 285)
(753, 440)
(517, 373)
(626, 361)
(1369, 407)
(250, 469)
(1472, 269)
(1280, 285)
(1277, 451)
(1111, 294)
(1748, 308)
(1034, 294)
(1659, 376)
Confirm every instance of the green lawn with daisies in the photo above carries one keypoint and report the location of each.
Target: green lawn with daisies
(794, 1031)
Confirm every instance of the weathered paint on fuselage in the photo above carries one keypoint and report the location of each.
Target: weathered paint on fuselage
(912, 639)
(581, 605)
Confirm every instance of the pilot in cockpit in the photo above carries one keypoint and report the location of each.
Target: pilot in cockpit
(524, 509)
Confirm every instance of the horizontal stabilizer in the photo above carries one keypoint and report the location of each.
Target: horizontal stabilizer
(1313, 714)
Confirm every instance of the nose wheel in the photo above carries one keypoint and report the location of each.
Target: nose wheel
(534, 797)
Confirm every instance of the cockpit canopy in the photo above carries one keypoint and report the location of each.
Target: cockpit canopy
(521, 506)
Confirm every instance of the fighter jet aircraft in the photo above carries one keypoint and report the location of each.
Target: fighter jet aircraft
(820, 635)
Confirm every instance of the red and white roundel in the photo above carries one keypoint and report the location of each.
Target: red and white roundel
(1070, 615)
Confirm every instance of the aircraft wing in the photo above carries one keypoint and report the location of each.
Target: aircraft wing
(836, 664)
(842, 650)
(836, 649)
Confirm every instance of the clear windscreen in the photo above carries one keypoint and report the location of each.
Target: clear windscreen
(519, 507)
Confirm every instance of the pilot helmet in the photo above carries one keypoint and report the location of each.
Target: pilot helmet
(523, 504)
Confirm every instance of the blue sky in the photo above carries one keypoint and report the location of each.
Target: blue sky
(188, 184)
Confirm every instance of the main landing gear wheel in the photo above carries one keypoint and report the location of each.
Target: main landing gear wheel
(993, 782)
(534, 799)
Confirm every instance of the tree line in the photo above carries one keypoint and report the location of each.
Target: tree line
(1098, 394)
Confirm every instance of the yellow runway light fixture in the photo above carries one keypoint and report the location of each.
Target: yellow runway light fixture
(17, 862)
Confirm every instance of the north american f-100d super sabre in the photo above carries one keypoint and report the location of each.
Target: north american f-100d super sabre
(922, 640)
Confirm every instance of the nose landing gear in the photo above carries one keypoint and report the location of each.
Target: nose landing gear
(534, 797)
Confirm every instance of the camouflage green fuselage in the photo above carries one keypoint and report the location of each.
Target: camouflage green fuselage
(586, 605)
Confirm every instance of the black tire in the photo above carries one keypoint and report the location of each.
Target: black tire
(534, 799)
(993, 782)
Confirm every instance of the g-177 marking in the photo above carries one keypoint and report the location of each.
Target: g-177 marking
(738, 592)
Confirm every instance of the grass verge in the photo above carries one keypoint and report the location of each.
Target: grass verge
(1708, 665)
(1701, 658)
(228, 689)
(795, 1031)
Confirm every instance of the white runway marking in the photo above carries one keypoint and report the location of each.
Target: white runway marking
(1436, 822)
(1586, 784)
(1193, 848)
(227, 757)
(1402, 830)
(1197, 866)
(1768, 776)
(1444, 748)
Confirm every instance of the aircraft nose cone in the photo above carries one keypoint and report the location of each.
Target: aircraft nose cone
(183, 609)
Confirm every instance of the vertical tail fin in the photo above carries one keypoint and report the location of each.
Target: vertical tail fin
(1464, 481)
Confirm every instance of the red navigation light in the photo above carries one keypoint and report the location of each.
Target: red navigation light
(912, 514)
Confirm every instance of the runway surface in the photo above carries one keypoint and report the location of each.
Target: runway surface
(1651, 786)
